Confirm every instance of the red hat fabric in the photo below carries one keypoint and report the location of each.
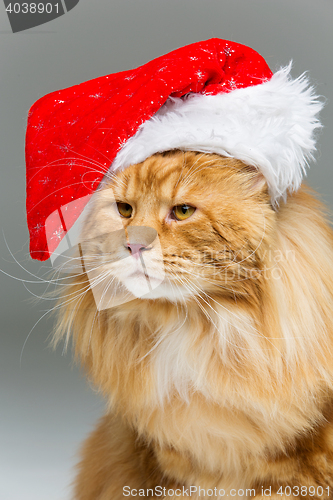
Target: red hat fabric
(211, 94)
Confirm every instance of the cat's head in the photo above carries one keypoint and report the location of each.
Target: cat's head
(200, 228)
(178, 225)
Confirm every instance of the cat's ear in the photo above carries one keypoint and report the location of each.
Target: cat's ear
(255, 180)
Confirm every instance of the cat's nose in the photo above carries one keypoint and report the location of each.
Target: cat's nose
(136, 248)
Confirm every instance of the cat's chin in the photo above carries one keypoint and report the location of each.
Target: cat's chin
(152, 288)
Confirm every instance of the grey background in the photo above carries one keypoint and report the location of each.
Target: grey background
(46, 406)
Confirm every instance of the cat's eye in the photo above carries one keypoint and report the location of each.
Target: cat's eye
(182, 212)
(124, 209)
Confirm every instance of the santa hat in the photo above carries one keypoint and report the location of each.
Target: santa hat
(214, 96)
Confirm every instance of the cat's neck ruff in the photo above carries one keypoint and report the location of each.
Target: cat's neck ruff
(203, 394)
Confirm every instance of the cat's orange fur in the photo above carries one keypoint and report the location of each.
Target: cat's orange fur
(229, 385)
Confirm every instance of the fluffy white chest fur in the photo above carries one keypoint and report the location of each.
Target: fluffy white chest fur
(219, 417)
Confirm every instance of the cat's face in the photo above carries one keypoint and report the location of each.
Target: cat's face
(179, 225)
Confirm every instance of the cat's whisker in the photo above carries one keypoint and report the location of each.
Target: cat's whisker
(181, 170)
(195, 172)
(211, 320)
(190, 272)
(192, 172)
(49, 311)
(100, 153)
(30, 332)
(118, 182)
(260, 242)
(253, 331)
(70, 323)
(191, 168)
(89, 160)
(80, 295)
(102, 297)
(79, 183)
(161, 337)
(63, 162)
(215, 281)
(90, 283)
(210, 161)
(189, 286)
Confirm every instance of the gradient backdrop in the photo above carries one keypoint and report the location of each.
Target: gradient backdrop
(46, 406)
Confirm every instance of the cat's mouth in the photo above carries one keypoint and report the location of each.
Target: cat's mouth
(144, 273)
(138, 274)
(135, 277)
(132, 270)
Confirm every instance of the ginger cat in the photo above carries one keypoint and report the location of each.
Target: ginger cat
(220, 378)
